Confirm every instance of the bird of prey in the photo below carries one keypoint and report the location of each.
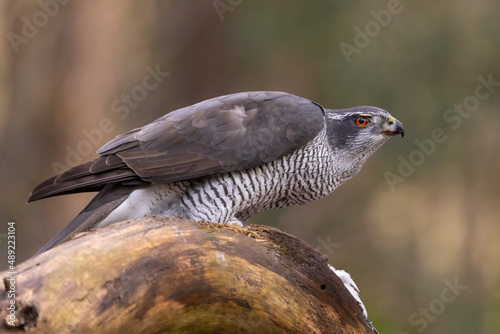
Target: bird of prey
(223, 160)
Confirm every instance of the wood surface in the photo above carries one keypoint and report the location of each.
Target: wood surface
(171, 275)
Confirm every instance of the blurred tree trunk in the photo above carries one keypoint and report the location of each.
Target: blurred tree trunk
(170, 275)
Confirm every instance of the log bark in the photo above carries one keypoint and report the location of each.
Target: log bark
(171, 275)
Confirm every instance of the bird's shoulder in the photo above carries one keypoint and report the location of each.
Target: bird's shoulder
(246, 115)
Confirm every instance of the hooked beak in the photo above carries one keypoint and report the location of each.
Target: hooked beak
(394, 127)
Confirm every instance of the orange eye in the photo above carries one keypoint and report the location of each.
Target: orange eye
(361, 121)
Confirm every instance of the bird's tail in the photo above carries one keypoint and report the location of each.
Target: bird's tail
(108, 199)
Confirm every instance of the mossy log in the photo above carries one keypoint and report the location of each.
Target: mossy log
(171, 275)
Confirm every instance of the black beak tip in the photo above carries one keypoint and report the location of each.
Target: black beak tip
(400, 129)
(395, 129)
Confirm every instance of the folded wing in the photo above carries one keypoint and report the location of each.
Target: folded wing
(223, 134)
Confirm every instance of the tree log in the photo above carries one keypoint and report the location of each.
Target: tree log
(171, 275)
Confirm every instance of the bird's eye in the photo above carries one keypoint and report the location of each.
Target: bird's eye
(361, 121)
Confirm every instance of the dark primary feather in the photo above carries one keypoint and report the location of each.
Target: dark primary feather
(111, 196)
(227, 133)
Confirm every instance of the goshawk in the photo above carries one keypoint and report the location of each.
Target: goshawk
(223, 160)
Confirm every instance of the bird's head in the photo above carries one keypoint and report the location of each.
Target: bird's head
(356, 133)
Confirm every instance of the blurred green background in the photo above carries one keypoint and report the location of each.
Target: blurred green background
(65, 68)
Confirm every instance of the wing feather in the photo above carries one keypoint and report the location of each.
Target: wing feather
(227, 133)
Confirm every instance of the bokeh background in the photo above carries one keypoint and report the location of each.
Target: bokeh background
(66, 66)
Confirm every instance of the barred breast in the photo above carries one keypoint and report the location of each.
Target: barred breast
(297, 178)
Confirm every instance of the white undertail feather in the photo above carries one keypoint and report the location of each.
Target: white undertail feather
(351, 286)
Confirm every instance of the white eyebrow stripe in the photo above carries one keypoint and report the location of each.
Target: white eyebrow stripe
(341, 115)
